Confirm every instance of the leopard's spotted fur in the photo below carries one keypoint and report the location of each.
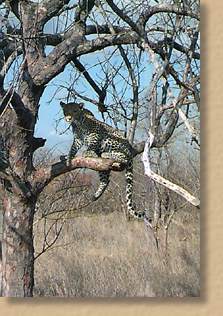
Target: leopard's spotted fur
(103, 141)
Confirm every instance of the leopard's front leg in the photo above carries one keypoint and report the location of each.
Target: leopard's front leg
(73, 150)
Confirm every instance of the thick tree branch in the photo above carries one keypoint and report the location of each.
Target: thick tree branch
(106, 41)
(43, 176)
(74, 46)
(54, 63)
(124, 38)
(104, 29)
(55, 39)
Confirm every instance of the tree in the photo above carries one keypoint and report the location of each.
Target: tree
(167, 33)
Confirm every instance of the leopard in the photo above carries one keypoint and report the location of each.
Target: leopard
(105, 141)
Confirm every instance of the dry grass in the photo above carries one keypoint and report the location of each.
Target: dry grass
(100, 254)
(107, 256)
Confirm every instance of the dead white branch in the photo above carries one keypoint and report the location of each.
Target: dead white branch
(161, 180)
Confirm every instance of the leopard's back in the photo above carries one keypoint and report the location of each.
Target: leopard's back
(108, 138)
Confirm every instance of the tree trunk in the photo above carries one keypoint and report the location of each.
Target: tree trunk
(17, 247)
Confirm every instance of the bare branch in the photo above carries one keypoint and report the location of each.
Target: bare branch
(138, 27)
(135, 99)
(124, 16)
(101, 92)
(165, 8)
(83, 9)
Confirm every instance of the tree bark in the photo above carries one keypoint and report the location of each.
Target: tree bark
(17, 247)
(17, 130)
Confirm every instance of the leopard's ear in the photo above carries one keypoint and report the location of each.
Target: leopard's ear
(62, 103)
(81, 105)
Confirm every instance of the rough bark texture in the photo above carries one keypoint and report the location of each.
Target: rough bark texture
(17, 125)
(18, 204)
(17, 247)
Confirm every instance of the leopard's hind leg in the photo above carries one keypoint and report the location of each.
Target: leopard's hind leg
(104, 175)
(104, 181)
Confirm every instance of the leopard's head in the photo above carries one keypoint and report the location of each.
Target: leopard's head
(72, 111)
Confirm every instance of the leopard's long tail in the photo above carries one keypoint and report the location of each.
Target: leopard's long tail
(129, 190)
